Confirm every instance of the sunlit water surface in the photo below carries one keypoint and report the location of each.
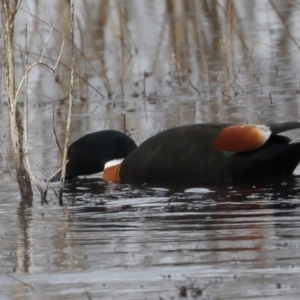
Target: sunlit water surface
(113, 241)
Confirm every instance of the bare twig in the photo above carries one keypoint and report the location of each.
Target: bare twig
(194, 108)
(102, 59)
(124, 122)
(40, 62)
(19, 280)
(18, 5)
(48, 39)
(285, 26)
(63, 173)
(9, 10)
(8, 166)
(24, 128)
(228, 45)
(54, 132)
(61, 49)
(271, 46)
(59, 170)
(81, 52)
(199, 94)
(145, 75)
(28, 71)
(45, 175)
(37, 64)
(32, 176)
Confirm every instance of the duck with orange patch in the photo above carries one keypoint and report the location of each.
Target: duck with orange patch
(188, 155)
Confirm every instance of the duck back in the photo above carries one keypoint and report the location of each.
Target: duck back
(182, 155)
(193, 154)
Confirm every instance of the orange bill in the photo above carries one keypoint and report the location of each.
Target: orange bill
(242, 138)
(111, 173)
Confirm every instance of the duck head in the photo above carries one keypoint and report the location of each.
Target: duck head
(89, 154)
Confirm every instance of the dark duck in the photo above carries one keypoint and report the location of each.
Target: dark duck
(188, 155)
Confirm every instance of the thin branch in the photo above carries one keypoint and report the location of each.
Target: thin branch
(48, 39)
(27, 74)
(40, 62)
(25, 122)
(19, 4)
(64, 163)
(19, 280)
(60, 53)
(45, 175)
(285, 26)
(54, 132)
(77, 74)
(8, 166)
(199, 94)
(59, 170)
(16, 126)
(81, 52)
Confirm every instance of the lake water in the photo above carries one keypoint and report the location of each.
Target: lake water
(141, 67)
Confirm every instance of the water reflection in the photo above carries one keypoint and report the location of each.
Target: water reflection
(217, 226)
(25, 240)
(143, 235)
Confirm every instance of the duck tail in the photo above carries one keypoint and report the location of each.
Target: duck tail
(285, 126)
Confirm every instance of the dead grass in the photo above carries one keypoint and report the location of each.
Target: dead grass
(194, 37)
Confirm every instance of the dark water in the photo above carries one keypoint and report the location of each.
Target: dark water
(124, 242)
(205, 61)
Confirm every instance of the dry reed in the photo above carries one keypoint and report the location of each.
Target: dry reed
(9, 11)
(70, 104)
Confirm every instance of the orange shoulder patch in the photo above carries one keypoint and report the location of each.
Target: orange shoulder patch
(242, 138)
(112, 170)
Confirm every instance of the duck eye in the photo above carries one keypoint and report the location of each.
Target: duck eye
(71, 152)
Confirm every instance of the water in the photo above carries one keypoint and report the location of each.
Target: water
(111, 241)
(135, 243)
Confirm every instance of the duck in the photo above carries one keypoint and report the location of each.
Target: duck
(188, 155)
